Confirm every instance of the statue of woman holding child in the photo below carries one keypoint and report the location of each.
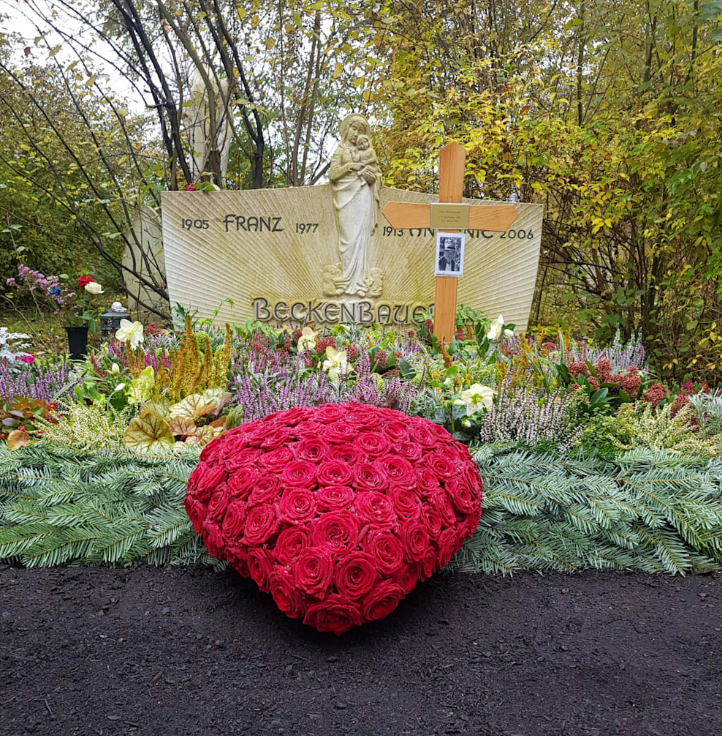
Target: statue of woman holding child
(355, 181)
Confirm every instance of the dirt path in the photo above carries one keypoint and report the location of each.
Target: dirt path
(185, 652)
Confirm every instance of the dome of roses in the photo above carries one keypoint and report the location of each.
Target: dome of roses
(337, 510)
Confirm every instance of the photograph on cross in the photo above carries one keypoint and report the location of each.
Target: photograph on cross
(449, 254)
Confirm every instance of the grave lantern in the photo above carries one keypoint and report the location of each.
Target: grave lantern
(110, 321)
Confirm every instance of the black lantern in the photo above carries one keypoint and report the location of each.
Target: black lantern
(110, 321)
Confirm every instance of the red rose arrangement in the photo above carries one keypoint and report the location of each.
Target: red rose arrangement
(338, 510)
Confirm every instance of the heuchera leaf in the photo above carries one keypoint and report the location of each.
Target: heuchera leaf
(182, 426)
(192, 407)
(148, 432)
(219, 396)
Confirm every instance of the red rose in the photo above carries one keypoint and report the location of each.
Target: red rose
(260, 566)
(240, 485)
(398, 470)
(266, 490)
(449, 545)
(290, 543)
(426, 480)
(334, 498)
(246, 458)
(374, 508)
(261, 524)
(297, 505)
(369, 477)
(213, 539)
(439, 432)
(234, 521)
(432, 519)
(336, 531)
(310, 428)
(299, 474)
(409, 450)
(462, 496)
(415, 537)
(444, 507)
(285, 594)
(238, 559)
(355, 575)
(345, 454)
(261, 431)
(277, 438)
(210, 452)
(420, 433)
(313, 571)
(406, 503)
(406, 578)
(335, 615)
(311, 448)
(397, 431)
(386, 547)
(334, 473)
(428, 563)
(229, 450)
(327, 413)
(441, 467)
(204, 480)
(340, 433)
(196, 512)
(372, 443)
(381, 601)
(217, 506)
(277, 460)
(363, 418)
(83, 281)
(292, 417)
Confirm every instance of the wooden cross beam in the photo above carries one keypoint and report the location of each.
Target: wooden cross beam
(494, 218)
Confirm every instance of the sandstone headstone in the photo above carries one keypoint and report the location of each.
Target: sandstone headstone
(324, 254)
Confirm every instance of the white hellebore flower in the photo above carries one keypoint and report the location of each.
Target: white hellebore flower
(307, 341)
(132, 331)
(475, 399)
(495, 328)
(115, 368)
(508, 333)
(94, 288)
(335, 363)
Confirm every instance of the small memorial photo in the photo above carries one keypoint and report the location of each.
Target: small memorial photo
(449, 254)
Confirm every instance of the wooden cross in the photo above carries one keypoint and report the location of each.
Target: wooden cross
(494, 218)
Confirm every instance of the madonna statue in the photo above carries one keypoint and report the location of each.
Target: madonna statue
(355, 180)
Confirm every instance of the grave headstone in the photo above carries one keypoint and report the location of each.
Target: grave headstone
(325, 254)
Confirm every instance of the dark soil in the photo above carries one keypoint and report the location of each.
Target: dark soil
(189, 651)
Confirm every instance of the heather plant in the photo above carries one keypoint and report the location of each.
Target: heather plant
(621, 356)
(530, 417)
(93, 427)
(640, 426)
(46, 380)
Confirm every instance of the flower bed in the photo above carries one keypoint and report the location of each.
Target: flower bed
(588, 460)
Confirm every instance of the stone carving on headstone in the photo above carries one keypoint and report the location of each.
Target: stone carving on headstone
(355, 179)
